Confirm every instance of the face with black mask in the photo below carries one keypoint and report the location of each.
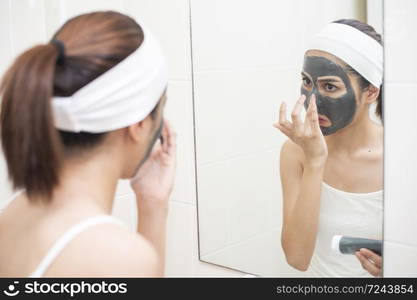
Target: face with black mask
(333, 88)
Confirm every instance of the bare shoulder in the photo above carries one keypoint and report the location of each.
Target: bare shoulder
(106, 250)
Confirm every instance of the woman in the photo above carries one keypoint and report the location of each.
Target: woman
(79, 113)
(332, 164)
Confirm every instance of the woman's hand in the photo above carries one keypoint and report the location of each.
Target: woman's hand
(306, 134)
(154, 181)
(370, 261)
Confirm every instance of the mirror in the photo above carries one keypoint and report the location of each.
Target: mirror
(247, 59)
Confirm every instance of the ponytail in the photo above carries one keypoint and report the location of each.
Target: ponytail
(34, 149)
(31, 144)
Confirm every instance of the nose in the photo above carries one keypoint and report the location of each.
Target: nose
(317, 94)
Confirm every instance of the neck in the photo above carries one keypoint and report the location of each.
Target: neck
(88, 183)
(362, 133)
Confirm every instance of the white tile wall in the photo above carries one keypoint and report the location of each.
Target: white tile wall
(73, 8)
(236, 34)
(269, 264)
(55, 15)
(169, 21)
(25, 22)
(6, 51)
(400, 260)
(236, 193)
(235, 110)
(400, 190)
(400, 247)
(179, 112)
(315, 14)
(375, 15)
(181, 240)
(401, 46)
(6, 190)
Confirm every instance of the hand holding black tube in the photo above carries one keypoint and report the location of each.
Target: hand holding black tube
(370, 261)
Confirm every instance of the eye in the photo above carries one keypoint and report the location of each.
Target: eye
(306, 81)
(330, 87)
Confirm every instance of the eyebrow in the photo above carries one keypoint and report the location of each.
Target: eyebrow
(327, 79)
(306, 75)
(321, 78)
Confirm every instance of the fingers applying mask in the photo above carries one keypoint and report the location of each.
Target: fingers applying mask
(307, 123)
(295, 115)
(313, 117)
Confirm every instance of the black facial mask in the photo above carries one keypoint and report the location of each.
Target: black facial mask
(340, 111)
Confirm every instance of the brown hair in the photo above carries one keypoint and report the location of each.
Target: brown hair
(33, 148)
(369, 30)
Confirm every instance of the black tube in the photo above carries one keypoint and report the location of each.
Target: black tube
(349, 245)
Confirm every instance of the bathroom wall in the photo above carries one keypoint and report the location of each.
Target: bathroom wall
(26, 22)
(400, 247)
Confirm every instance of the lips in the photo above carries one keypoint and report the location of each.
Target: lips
(324, 121)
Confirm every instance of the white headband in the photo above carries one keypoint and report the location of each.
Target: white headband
(120, 97)
(357, 49)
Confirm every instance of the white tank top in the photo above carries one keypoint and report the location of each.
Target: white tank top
(67, 237)
(344, 213)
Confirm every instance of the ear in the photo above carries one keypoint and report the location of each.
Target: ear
(371, 94)
(139, 131)
(134, 132)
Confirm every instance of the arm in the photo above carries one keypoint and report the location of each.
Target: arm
(302, 166)
(301, 188)
(152, 226)
(153, 185)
